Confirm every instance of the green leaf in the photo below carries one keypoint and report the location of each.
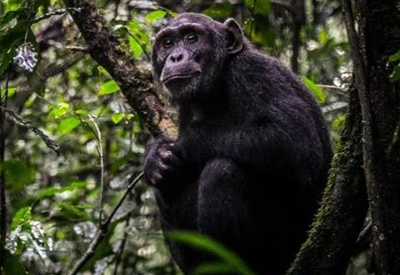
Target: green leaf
(12, 265)
(395, 76)
(117, 117)
(209, 245)
(109, 87)
(56, 112)
(135, 47)
(10, 92)
(64, 105)
(68, 124)
(128, 117)
(140, 37)
(72, 212)
(173, 14)
(13, 4)
(135, 27)
(317, 91)
(81, 112)
(323, 36)
(22, 217)
(155, 15)
(48, 192)
(61, 110)
(339, 121)
(395, 57)
(102, 71)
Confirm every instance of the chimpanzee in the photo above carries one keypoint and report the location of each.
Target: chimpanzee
(253, 150)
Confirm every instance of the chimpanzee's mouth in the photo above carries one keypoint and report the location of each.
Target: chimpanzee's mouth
(178, 77)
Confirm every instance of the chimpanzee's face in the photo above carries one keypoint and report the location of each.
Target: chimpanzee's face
(188, 54)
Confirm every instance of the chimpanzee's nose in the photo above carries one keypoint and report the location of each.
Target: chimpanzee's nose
(176, 57)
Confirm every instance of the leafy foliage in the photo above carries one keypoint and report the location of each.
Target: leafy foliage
(229, 261)
(317, 91)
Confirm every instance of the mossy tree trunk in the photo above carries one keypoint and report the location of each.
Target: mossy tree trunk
(379, 37)
(343, 208)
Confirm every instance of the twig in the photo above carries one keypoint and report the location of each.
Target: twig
(3, 206)
(364, 240)
(77, 49)
(48, 15)
(364, 233)
(335, 89)
(26, 124)
(331, 87)
(362, 88)
(100, 152)
(103, 230)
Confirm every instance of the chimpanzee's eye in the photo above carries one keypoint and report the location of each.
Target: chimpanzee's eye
(191, 37)
(167, 43)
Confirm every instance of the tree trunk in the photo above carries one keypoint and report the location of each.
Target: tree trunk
(378, 38)
(343, 208)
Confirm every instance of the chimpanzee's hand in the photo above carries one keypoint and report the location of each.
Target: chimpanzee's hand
(162, 163)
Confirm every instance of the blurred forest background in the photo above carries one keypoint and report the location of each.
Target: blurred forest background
(71, 143)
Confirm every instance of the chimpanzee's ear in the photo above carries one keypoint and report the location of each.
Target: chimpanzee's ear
(235, 36)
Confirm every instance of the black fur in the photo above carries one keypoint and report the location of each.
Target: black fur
(253, 151)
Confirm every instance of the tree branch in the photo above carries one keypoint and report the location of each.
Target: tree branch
(107, 51)
(27, 125)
